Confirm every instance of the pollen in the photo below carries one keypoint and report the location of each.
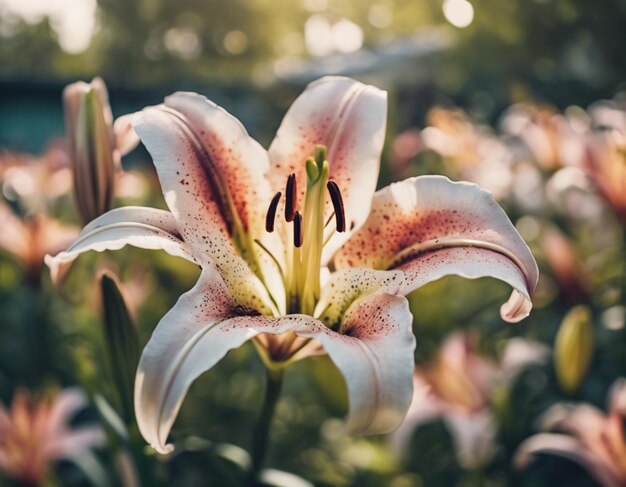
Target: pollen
(270, 218)
(337, 200)
(291, 195)
(298, 236)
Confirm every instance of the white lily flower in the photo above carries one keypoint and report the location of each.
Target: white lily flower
(261, 276)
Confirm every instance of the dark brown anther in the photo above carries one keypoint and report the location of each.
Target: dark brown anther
(337, 200)
(271, 213)
(297, 229)
(290, 197)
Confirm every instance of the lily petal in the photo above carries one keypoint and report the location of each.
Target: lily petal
(66, 405)
(349, 285)
(617, 397)
(72, 443)
(566, 447)
(243, 164)
(146, 228)
(204, 158)
(430, 227)
(474, 436)
(374, 352)
(240, 160)
(520, 353)
(125, 137)
(349, 118)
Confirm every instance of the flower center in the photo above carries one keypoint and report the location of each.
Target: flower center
(304, 256)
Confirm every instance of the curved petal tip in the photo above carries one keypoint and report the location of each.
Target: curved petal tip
(516, 308)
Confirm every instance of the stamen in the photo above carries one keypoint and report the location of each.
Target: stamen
(271, 256)
(329, 219)
(337, 200)
(297, 230)
(271, 213)
(290, 198)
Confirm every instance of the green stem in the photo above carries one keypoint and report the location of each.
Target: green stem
(261, 434)
(144, 464)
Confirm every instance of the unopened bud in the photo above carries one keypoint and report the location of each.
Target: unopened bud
(91, 147)
(573, 349)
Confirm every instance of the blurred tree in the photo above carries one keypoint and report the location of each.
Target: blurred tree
(509, 50)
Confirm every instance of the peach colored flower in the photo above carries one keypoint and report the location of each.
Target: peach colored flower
(35, 433)
(457, 387)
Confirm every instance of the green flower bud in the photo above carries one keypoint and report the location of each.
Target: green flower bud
(91, 147)
(573, 348)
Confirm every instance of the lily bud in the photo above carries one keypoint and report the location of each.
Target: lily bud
(91, 146)
(573, 348)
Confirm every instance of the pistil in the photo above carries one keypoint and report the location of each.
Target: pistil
(304, 256)
(314, 230)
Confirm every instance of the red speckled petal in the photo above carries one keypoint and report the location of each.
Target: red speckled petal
(241, 161)
(146, 228)
(349, 118)
(190, 157)
(348, 285)
(430, 227)
(374, 353)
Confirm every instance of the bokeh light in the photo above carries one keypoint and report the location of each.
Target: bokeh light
(459, 13)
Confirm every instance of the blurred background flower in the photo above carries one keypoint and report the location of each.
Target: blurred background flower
(36, 432)
(589, 437)
(458, 386)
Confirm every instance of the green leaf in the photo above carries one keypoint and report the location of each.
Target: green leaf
(278, 478)
(110, 418)
(121, 343)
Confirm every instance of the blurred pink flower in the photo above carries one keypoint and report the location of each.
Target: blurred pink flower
(471, 151)
(35, 182)
(29, 239)
(30, 186)
(604, 155)
(592, 141)
(566, 265)
(590, 437)
(543, 131)
(35, 433)
(457, 387)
